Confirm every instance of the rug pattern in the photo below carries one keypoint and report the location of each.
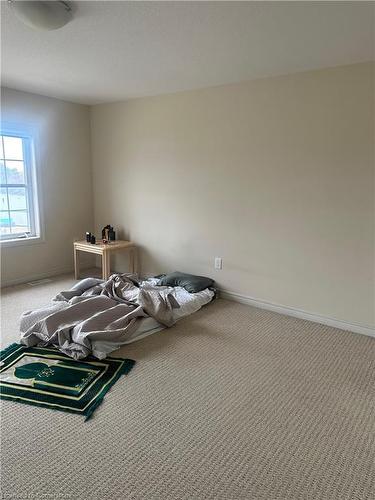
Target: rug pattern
(46, 377)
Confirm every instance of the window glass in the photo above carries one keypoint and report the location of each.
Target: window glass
(13, 148)
(17, 205)
(3, 199)
(17, 198)
(4, 223)
(2, 172)
(19, 222)
(15, 172)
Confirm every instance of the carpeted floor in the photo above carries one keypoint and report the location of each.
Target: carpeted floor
(232, 403)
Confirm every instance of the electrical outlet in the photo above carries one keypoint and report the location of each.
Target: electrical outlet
(218, 263)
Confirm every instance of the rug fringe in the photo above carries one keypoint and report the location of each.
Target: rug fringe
(125, 369)
(93, 407)
(9, 349)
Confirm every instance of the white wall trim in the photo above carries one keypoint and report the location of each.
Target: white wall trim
(37, 276)
(298, 313)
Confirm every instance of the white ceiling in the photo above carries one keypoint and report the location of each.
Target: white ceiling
(118, 50)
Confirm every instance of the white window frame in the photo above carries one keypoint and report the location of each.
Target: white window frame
(33, 198)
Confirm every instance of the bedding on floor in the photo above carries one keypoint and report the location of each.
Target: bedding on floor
(96, 317)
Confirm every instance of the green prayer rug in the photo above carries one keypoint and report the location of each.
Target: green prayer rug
(48, 378)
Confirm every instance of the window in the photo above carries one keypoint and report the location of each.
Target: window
(18, 210)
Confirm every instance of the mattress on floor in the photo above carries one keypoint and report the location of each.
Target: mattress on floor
(189, 304)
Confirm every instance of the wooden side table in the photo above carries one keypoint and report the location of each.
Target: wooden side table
(105, 250)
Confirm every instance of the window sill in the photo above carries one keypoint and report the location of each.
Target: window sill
(32, 240)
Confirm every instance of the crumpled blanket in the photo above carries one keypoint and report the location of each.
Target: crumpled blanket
(96, 317)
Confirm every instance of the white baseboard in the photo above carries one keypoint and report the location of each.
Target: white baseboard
(37, 276)
(298, 313)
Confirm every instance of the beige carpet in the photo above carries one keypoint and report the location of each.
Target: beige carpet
(232, 403)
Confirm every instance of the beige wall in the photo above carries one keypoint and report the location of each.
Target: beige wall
(276, 176)
(63, 163)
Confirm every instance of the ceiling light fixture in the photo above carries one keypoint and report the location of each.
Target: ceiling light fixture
(44, 16)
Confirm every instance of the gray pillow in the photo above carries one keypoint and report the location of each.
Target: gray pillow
(191, 283)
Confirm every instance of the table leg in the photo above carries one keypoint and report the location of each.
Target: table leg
(104, 272)
(106, 265)
(132, 257)
(76, 264)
